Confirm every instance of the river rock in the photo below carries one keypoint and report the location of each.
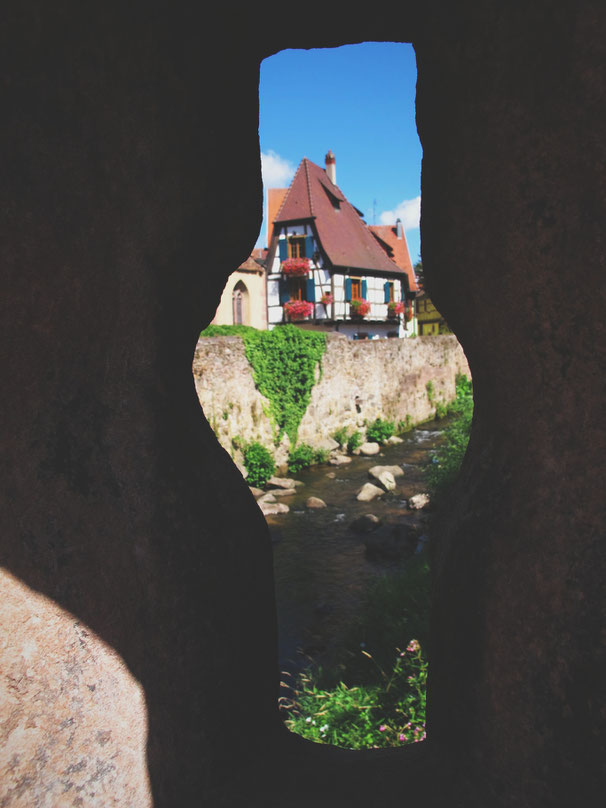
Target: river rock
(327, 443)
(280, 482)
(283, 492)
(270, 508)
(394, 441)
(256, 492)
(387, 480)
(339, 460)
(397, 471)
(268, 496)
(313, 503)
(369, 492)
(418, 502)
(369, 449)
(365, 523)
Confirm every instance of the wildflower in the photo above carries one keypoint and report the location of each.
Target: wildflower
(308, 720)
(324, 728)
(383, 727)
(403, 737)
(413, 646)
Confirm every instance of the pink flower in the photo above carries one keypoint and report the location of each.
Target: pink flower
(403, 737)
(382, 728)
(413, 646)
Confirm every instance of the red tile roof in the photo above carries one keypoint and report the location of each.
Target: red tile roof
(344, 238)
(397, 249)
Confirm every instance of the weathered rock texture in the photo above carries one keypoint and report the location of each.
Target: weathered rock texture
(132, 188)
(359, 381)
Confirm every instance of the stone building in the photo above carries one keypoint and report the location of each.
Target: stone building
(244, 299)
(138, 661)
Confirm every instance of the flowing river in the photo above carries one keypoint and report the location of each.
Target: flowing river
(321, 565)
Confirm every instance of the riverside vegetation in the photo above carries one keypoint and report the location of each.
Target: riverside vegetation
(374, 695)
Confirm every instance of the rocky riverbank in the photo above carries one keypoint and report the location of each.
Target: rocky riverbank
(329, 542)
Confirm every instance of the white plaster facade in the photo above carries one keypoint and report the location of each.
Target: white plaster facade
(335, 316)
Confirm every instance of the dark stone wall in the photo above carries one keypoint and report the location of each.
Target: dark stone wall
(131, 184)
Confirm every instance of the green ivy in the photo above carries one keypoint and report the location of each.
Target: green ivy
(284, 364)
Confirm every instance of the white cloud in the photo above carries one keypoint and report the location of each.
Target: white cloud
(277, 172)
(409, 211)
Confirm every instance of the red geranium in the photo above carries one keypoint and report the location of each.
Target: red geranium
(408, 314)
(296, 266)
(359, 308)
(394, 308)
(298, 309)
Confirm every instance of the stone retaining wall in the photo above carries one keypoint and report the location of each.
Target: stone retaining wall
(360, 380)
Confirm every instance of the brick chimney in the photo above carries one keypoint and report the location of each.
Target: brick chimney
(331, 170)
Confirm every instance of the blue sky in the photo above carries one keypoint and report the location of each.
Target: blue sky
(359, 101)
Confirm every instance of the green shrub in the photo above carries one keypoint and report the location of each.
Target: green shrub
(441, 410)
(447, 459)
(227, 330)
(321, 456)
(389, 713)
(430, 391)
(259, 463)
(340, 435)
(301, 457)
(405, 425)
(354, 441)
(380, 431)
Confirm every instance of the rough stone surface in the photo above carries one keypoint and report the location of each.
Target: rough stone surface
(369, 449)
(393, 374)
(395, 471)
(269, 508)
(418, 502)
(368, 492)
(339, 460)
(281, 482)
(132, 189)
(314, 503)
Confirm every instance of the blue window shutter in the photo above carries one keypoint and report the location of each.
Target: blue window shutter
(348, 289)
(283, 245)
(309, 246)
(386, 291)
(310, 292)
(284, 291)
(364, 290)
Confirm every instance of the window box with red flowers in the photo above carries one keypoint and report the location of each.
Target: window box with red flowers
(359, 308)
(394, 309)
(298, 309)
(408, 312)
(296, 267)
(327, 299)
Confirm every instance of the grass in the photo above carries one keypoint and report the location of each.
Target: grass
(374, 696)
(447, 459)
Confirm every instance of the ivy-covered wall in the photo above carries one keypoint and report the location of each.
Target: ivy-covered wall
(355, 380)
